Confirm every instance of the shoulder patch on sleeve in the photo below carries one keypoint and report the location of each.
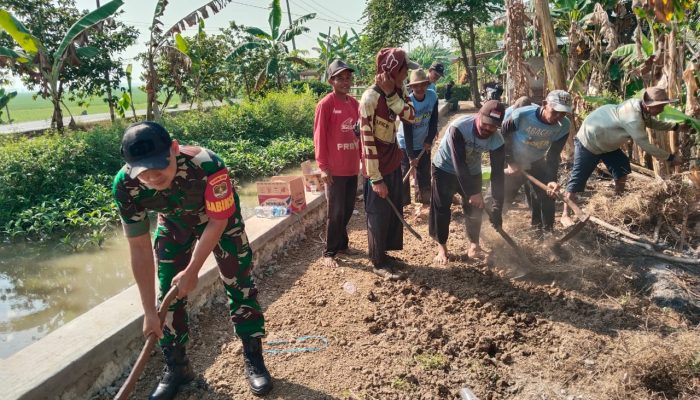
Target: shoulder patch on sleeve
(218, 195)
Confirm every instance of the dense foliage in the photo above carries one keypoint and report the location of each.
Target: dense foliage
(60, 184)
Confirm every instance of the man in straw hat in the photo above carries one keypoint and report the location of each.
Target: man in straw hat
(380, 105)
(606, 129)
(418, 136)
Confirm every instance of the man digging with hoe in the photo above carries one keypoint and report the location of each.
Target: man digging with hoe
(198, 213)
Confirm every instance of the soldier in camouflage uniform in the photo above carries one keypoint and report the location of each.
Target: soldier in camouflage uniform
(198, 213)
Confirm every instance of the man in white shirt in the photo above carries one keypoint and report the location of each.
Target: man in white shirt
(606, 129)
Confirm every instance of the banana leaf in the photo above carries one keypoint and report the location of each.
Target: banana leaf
(80, 26)
(673, 115)
(19, 33)
(275, 18)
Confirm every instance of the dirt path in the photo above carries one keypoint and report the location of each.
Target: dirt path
(577, 327)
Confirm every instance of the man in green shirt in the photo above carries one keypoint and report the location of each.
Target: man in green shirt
(198, 213)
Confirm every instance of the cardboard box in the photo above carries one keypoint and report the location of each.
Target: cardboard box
(286, 191)
(313, 183)
(312, 178)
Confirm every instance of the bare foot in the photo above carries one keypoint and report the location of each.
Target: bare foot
(349, 252)
(475, 251)
(441, 257)
(566, 221)
(329, 262)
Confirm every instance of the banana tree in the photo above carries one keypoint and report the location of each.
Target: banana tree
(330, 47)
(5, 98)
(161, 41)
(272, 45)
(37, 60)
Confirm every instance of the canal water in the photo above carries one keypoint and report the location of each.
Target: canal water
(43, 286)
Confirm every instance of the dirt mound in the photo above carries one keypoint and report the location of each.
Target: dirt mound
(660, 209)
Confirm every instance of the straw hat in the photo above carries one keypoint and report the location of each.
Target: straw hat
(418, 76)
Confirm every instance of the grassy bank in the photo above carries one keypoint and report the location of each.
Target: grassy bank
(59, 185)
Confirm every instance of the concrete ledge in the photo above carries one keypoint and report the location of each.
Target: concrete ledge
(92, 351)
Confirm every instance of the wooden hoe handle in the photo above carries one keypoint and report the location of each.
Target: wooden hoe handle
(145, 354)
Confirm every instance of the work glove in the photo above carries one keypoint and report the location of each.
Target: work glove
(496, 217)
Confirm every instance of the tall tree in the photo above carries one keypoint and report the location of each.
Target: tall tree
(44, 57)
(272, 45)
(451, 19)
(391, 23)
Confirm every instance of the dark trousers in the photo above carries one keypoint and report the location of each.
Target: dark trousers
(384, 229)
(585, 163)
(541, 205)
(444, 187)
(340, 196)
(422, 178)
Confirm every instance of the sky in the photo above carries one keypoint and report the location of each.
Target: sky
(343, 14)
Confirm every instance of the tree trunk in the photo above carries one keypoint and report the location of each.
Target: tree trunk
(57, 119)
(462, 49)
(150, 87)
(552, 59)
(472, 72)
(110, 100)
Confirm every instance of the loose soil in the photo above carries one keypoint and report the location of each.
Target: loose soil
(579, 325)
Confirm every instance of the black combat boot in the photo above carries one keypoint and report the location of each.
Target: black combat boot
(177, 372)
(258, 376)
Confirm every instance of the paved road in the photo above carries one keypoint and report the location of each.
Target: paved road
(42, 125)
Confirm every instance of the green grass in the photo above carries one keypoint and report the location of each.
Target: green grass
(25, 108)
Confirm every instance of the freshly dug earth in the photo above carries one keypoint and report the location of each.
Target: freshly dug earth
(577, 326)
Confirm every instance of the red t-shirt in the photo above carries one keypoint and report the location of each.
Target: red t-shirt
(337, 147)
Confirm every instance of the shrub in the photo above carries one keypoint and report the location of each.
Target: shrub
(317, 87)
(459, 92)
(61, 184)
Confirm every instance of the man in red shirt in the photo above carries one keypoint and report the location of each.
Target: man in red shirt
(338, 156)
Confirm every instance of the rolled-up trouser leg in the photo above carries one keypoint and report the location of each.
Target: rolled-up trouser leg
(472, 218)
(443, 188)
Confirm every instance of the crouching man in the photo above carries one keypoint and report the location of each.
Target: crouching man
(457, 169)
(198, 213)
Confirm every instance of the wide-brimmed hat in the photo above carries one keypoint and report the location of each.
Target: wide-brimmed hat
(656, 96)
(418, 76)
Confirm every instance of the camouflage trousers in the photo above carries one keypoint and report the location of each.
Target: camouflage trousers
(234, 258)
